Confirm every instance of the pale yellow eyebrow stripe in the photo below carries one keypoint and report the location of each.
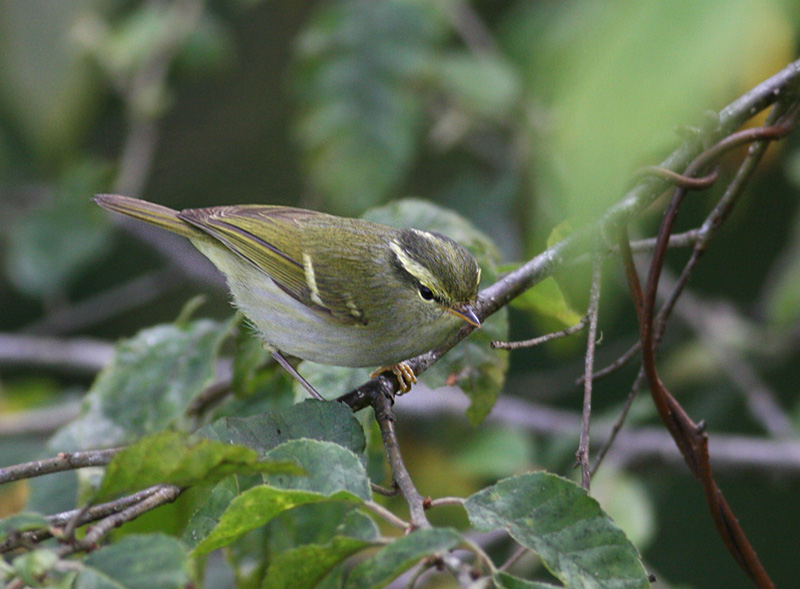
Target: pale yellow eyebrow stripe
(413, 267)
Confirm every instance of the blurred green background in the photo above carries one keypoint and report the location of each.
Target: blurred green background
(518, 115)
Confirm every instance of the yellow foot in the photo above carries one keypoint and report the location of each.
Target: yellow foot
(405, 376)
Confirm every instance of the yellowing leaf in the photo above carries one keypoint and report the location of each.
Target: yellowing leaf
(547, 299)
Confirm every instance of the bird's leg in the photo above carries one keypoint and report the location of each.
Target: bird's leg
(280, 359)
(405, 375)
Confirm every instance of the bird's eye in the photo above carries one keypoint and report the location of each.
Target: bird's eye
(425, 292)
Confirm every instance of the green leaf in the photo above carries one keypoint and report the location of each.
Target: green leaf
(605, 76)
(578, 543)
(399, 556)
(316, 420)
(148, 385)
(211, 509)
(359, 116)
(303, 567)
(47, 87)
(506, 581)
(318, 523)
(21, 522)
(256, 507)
(332, 471)
(249, 358)
(171, 458)
(32, 566)
(547, 299)
(481, 83)
(327, 468)
(147, 561)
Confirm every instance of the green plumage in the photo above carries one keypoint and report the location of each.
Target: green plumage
(330, 289)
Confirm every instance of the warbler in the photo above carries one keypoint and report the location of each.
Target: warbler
(333, 290)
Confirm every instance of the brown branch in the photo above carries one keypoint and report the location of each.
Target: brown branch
(84, 516)
(701, 237)
(64, 461)
(548, 337)
(690, 437)
(499, 294)
(582, 455)
(634, 447)
(382, 405)
(686, 182)
(162, 495)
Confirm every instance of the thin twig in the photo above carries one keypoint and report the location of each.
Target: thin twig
(499, 294)
(387, 515)
(385, 491)
(619, 421)
(582, 455)
(162, 495)
(700, 238)
(518, 553)
(529, 343)
(443, 501)
(381, 403)
(629, 355)
(690, 437)
(64, 461)
(80, 354)
(687, 182)
(93, 513)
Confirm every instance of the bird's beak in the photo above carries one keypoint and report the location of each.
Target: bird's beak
(467, 314)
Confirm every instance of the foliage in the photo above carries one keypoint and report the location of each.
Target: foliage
(510, 127)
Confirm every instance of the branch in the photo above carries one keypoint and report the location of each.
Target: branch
(64, 461)
(646, 191)
(78, 354)
(162, 495)
(690, 437)
(83, 515)
(382, 405)
(644, 446)
(582, 455)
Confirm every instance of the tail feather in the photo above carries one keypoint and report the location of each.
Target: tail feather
(157, 215)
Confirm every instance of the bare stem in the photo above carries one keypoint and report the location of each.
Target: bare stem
(381, 403)
(64, 461)
(162, 495)
(496, 296)
(529, 343)
(582, 455)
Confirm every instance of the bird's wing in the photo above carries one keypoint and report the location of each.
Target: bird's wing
(251, 232)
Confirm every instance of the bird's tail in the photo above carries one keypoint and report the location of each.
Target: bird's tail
(149, 212)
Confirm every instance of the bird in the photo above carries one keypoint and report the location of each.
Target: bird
(329, 289)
